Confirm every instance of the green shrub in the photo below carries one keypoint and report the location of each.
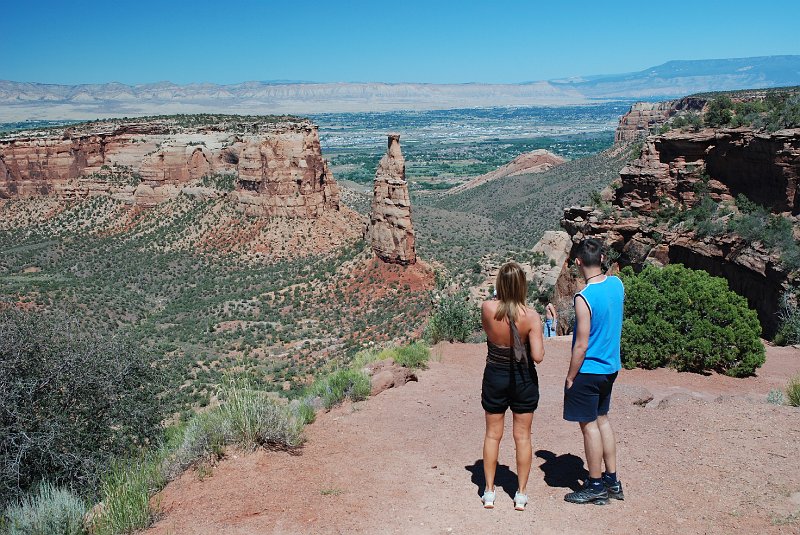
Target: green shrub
(454, 318)
(305, 412)
(688, 320)
(246, 417)
(256, 420)
(413, 356)
(341, 385)
(220, 181)
(756, 223)
(793, 391)
(48, 511)
(789, 330)
(71, 402)
(719, 111)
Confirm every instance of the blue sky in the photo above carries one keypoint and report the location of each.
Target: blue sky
(388, 41)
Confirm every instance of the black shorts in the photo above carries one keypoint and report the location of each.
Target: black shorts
(514, 385)
(589, 397)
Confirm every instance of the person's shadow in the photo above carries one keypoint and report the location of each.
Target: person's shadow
(562, 470)
(503, 478)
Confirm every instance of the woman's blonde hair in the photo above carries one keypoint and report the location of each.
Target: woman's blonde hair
(512, 291)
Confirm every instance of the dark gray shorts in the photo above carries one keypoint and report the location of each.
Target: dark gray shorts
(589, 397)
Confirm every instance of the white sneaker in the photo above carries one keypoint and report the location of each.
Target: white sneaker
(488, 498)
(520, 501)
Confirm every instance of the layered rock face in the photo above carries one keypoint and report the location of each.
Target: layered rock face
(673, 167)
(278, 164)
(644, 116)
(390, 230)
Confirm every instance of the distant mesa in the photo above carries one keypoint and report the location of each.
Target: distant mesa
(536, 161)
(27, 100)
(272, 166)
(389, 229)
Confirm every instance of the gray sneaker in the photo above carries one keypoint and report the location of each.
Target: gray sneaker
(488, 498)
(615, 490)
(587, 495)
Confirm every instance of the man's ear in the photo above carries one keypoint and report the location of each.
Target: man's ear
(578, 262)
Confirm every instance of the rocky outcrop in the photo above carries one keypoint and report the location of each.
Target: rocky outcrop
(643, 117)
(536, 161)
(673, 171)
(386, 374)
(550, 258)
(390, 230)
(763, 167)
(278, 164)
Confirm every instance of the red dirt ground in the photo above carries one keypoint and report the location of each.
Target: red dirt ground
(707, 455)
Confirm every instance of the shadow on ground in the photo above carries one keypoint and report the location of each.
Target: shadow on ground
(565, 470)
(503, 478)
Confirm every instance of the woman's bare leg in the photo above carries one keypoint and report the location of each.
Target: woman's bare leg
(491, 446)
(522, 441)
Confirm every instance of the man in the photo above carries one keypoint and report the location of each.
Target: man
(592, 371)
(551, 317)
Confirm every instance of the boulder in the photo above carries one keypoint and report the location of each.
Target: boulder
(386, 374)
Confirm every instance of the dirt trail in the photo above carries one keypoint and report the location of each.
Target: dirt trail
(707, 455)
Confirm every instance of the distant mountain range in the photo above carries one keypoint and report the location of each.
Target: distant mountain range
(21, 101)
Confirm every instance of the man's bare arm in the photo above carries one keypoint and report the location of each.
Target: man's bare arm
(582, 326)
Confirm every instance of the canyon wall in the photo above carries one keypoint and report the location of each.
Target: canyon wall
(278, 164)
(643, 117)
(674, 170)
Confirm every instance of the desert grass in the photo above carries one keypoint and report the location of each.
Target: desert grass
(793, 391)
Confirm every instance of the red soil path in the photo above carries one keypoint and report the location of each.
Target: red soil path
(707, 455)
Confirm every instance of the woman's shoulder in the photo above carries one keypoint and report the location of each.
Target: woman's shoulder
(531, 314)
(489, 305)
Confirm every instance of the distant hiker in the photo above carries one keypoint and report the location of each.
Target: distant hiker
(550, 322)
(592, 370)
(514, 340)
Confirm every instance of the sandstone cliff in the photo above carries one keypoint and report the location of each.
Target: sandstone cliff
(390, 230)
(536, 161)
(643, 117)
(277, 162)
(673, 172)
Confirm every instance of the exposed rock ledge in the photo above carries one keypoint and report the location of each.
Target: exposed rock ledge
(278, 164)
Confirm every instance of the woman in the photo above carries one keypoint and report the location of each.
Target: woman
(514, 340)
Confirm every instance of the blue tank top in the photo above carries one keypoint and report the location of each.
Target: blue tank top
(606, 302)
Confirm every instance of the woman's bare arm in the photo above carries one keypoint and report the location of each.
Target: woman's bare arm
(535, 337)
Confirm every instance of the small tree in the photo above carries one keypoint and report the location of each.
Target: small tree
(689, 320)
(454, 319)
(69, 402)
(719, 112)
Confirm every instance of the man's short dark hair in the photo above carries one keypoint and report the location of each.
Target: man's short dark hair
(590, 251)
